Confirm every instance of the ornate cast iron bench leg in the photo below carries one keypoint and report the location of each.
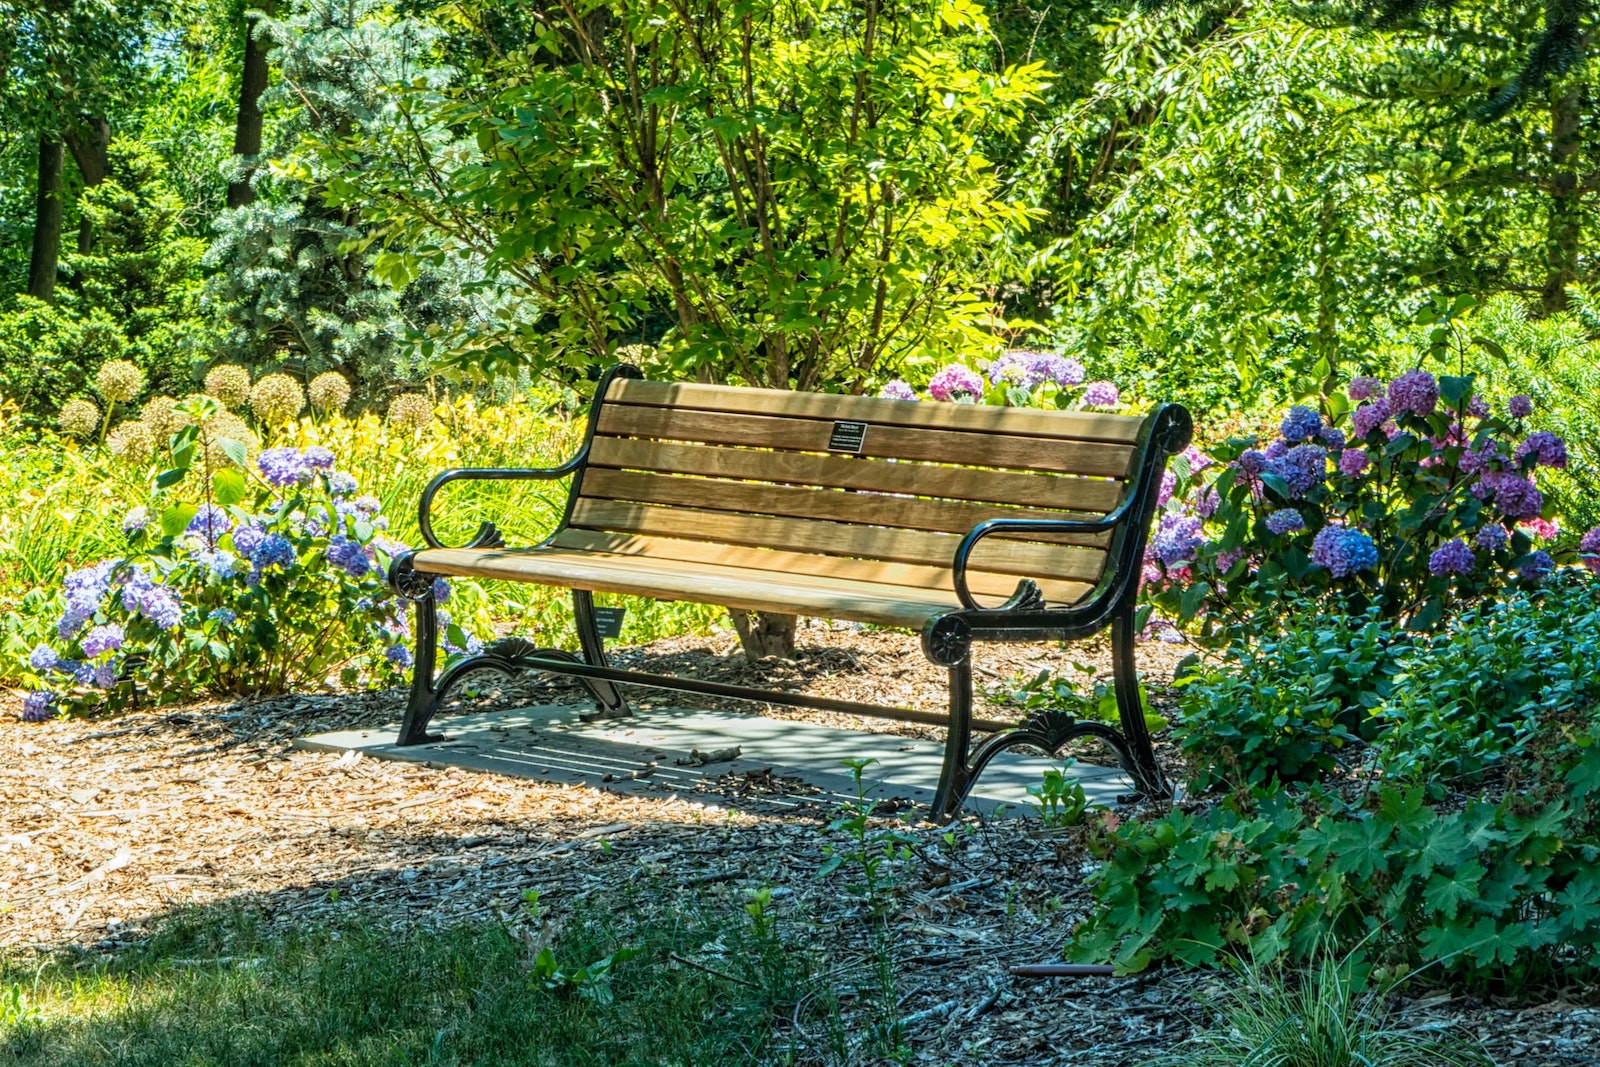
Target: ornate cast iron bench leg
(507, 656)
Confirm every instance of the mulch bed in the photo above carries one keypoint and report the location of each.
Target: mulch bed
(111, 825)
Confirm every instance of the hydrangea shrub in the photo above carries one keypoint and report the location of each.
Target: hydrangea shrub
(246, 579)
(1019, 377)
(1409, 499)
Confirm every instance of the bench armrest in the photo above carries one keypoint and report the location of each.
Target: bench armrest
(487, 536)
(958, 574)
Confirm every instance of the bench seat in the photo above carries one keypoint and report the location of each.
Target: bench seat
(965, 523)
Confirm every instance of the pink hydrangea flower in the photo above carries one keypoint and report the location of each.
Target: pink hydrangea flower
(1415, 391)
(1543, 529)
(956, 382)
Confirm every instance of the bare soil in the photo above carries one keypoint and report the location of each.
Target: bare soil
(110, 826)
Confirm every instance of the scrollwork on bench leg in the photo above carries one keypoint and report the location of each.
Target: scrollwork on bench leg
(417, 587)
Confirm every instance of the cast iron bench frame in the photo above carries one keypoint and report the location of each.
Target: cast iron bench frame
(947, 635)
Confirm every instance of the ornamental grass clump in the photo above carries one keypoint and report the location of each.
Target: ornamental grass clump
(1412, 497)
(238, 577)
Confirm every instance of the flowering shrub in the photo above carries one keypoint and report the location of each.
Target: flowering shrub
(1019, 377)
(1414, 496)
(266, 577)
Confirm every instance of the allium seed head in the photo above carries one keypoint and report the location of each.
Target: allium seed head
(229, 383)
(119, 381)
(132, 441)
(80, 418)
(277, 399)
(330, 392)
(410, 411)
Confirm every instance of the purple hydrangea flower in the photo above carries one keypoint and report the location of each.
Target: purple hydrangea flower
(441, 591)
(1369, 417)
(369, 504)
(1548, 449)
(1101, 395)
(43, 658)
(399, 655)
(1063, 370)
(1333, 437)
(1176, 538)
(1253, 461)
(209, 523)
(1285, 520)
(898, 390)
(1343, 551)
(1353, 461)
(349, 556)
(141, 594)
(105, 675)
(273, 551)
(1452, 557)
(223, 616)
(1520, 406)
(1537, 568)
(1492, 537)
(956, 382)
(1517, 498)
(1276, 451)
(1169, 484)
(1474, 460)
(135, 521)
(319, 458)
(1011, 367)
(247, 537)
(1207, 502)
(1365, 387)
(36, 706)
(1197, 460)
(1478, 407)
(283, 467)
(1589, 545)
(84, 590)
(1301, 422)
(1303, 468)
(1415, 391)
(102, 639)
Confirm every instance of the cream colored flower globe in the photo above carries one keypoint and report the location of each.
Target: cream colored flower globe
(119, 381)
(229, 383)
(132, 441)
(226, 426)
(410, 411)
(330, 392)
(158, 414)
(277, 399)
(80, 417)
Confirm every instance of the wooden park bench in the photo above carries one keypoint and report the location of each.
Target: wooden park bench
(964, 522)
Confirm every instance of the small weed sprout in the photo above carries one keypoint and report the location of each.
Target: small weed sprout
(1059, 800)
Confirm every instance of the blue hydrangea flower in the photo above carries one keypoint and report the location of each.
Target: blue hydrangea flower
(273, 551)
(1538, 567)
(247, 537)
(223, 616)
(1452, 557)
(399, 655)
(135, 521)
(1101, 395)
(1300, 423)
(1285, 520)
(1303, 468)
(441, 591)
(1492, 538)
(369, 504)
(1333, 437)
(1063, 370)
(36, 706)
(1343, 551)
(102, 639)
(105, 675)
(43, 658)
(1253, 461)
(283, 467)
(342, 483)
(349, 556)
(161, 606)
(84, 589)
(209, 523)
(1517, 498)
(1176, 538)
(319, 458)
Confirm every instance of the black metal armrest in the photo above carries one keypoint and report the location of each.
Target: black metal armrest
(1022, 596)
(487, 535)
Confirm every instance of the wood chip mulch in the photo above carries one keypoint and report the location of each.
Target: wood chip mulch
(109, 826)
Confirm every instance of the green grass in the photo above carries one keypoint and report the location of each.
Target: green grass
(220, 989)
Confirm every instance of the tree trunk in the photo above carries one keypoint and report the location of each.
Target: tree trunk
(46, 222)
(247, 131)
(89, 145)
(764, 633)
(1564, 225)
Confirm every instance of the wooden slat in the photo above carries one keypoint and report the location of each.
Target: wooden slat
(657, 550)
(839, 539)
(979, 418)
(1055, 491)
(757, 498)
(884, 442)
(705, 585)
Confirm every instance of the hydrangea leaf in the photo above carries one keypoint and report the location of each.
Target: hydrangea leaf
(229, 487)
(176, 519)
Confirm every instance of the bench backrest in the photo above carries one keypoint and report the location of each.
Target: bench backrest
(849, 486)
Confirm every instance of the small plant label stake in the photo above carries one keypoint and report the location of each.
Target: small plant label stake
(608, 621)
(848, 437)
